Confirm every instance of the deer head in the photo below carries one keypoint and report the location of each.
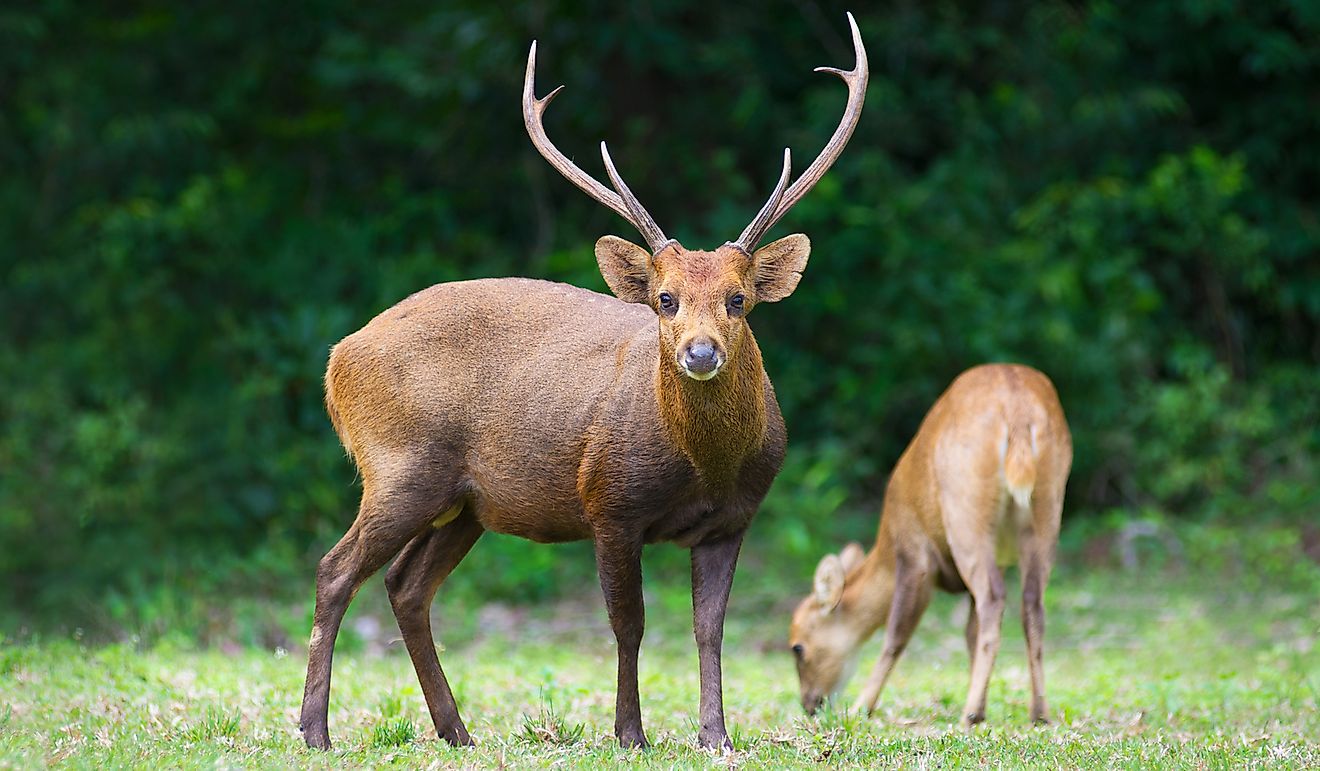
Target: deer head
(702, 298)
(824, 637)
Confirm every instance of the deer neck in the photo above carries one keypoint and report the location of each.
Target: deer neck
(868, 589)
(717, 423)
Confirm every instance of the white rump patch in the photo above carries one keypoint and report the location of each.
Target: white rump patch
(1021, 495)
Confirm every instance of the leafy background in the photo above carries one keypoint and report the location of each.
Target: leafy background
(197, 200)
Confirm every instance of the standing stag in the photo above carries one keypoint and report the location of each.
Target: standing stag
(980, 486)
(557, 414)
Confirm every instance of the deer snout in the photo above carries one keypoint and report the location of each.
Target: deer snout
(811, 702)
(702, 360)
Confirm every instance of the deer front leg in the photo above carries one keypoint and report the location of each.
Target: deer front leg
(712, 576)
(912, 590)
(619, 562)
(971, 632)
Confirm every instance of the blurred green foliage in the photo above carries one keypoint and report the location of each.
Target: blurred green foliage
(197, 200)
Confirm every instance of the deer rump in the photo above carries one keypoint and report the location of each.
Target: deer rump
(533, 404)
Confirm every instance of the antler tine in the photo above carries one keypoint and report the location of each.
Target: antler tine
(856, 79)
(655, 237)
(533, 110)
(761, 223)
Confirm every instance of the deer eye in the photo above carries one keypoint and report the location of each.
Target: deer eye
(736, 304)
(797, 650)
(668, 304)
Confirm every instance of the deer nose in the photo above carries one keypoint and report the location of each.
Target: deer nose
(701, 358)
(812, 703)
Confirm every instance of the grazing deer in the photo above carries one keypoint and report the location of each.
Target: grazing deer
(981, 484)
(557, 414)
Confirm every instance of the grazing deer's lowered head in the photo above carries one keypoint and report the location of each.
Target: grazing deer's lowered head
(834, 634)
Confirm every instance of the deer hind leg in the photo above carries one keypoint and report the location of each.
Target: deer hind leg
(974, 556)
(412, 582)
(1035, 560)
(912, 590)
(388, 518)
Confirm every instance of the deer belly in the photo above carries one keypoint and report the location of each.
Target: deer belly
(691, 527)
(538, 528)
(539, 518)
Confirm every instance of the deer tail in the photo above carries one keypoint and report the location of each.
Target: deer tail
(1020, 463)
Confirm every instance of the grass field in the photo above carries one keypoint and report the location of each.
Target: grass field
(1182, 672)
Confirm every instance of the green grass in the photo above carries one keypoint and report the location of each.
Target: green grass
(1142, 671)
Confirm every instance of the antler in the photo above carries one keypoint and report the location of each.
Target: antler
(639, 218)
(780, 202)
(625, 204)
(763, 219)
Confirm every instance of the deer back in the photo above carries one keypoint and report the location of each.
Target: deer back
(546, 397)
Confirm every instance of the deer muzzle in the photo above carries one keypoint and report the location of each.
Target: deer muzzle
(701, 360)
(812, 702)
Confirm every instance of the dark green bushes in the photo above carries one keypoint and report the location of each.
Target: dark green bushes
(195, 203)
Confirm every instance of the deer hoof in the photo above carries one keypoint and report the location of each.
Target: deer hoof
(317, 739)
(715, 740)
(457, 736)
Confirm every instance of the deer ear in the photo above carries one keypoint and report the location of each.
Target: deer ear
(777, 267)
(851, 556)
(625, 266)
(827, 588)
